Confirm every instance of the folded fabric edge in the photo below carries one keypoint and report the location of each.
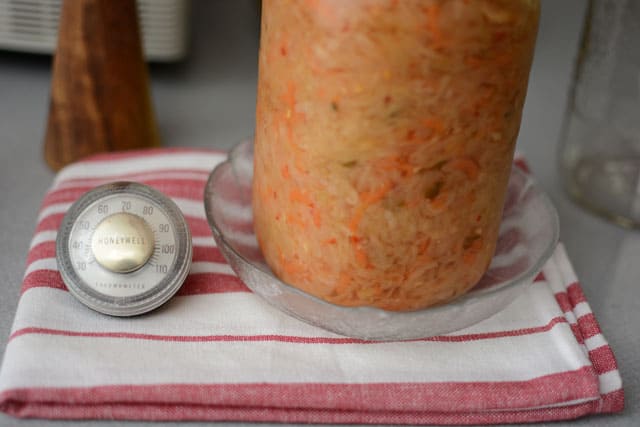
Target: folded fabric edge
(184, 412)
(587, 330)
(554, 390)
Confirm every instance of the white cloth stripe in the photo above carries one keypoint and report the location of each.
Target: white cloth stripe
(190, 208)
(208, 314)
(571, 318)
(610, 381)
(561, 404)
(582, 309)
(43, 236)
(229, 209)
(41, 264)
(508, 259)
(120, 361)
(53, 209)
(211, 267)
(201, 161)
(207, 242)
(242, 238)
(595, 342)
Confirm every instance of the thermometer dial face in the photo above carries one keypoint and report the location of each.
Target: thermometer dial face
(123, 249)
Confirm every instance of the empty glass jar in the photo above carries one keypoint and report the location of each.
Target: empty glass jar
(600, 151)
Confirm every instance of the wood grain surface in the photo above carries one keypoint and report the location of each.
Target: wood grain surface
(100, 97)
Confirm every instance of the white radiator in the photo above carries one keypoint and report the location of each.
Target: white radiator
(32, 26)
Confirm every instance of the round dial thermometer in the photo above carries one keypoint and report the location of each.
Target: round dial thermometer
(123, 249)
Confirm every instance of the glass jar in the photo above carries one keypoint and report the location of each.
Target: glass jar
(600, 151)
(384, 140)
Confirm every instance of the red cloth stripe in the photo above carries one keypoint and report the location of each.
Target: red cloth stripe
(132, 176)
(199, 227)
(43, 279)
(184, 188)
(281, 338)
(147, 153)
(208, 253)
(603, 359)
(588, 326)
(195, 284)
(463, 397)
(42, 250)
(211, 283)
(509, 240)
(575, 294)
(522, 164)
(50, 222)
(612, 402)
(563, 301)
(189, 412)
(577, 332)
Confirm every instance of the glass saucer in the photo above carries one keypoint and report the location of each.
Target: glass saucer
(528, 235)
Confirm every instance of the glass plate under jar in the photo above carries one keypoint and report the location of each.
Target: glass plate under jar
(528, 235)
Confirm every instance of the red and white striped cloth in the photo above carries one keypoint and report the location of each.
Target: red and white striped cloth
(218, 352)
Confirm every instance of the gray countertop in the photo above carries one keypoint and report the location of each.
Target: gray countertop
(209, 101)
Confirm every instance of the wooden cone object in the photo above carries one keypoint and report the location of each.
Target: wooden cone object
(100, 97)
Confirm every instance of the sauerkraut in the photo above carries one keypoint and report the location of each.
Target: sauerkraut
(384, 140)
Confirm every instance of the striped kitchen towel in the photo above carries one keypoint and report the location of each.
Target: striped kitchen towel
(218, 352)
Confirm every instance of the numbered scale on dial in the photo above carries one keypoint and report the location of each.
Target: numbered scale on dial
(123, 249)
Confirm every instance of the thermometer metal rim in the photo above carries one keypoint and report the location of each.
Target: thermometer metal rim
(134, 304)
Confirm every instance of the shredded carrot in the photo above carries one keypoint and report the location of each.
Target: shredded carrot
(360, 254)
(433, 23)
(423, 246)
(474, 61)
(367, 198)
(471, 249)
(398, 163)
(317, 217)
(291, 116)
(361, 257)
(285, 172)
(344, 283)
(371, 197)
(439, 203)
(293, 219)
(289, 99)
(466, 165)
(300, 196)
(435, 124)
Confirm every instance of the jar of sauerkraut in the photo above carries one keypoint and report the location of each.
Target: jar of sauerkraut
(384, 141)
